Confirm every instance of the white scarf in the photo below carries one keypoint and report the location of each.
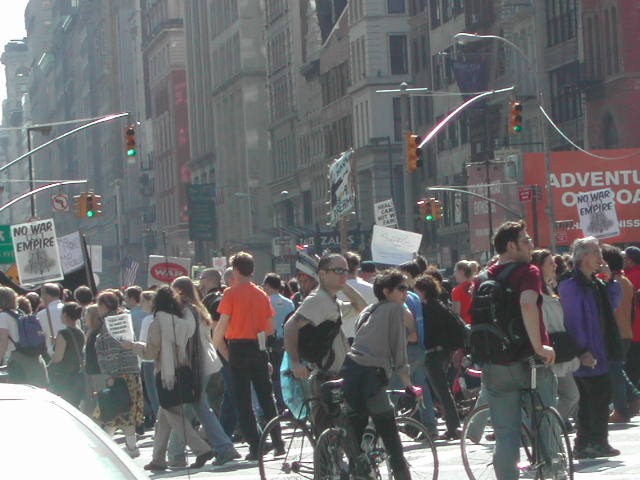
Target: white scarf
(173, 350)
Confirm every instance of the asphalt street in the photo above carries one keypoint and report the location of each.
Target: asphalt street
(625, 437)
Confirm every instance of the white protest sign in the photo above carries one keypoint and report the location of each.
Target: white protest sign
(120, 327)
(342, 195)
(385, 214)
(95, 253)
(70, 247)
(36, 252)
(597, 212)
(167, 269)
(219, 263)
(391, 246)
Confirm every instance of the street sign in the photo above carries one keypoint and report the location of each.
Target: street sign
(201, 208)
(60, 202)
(525, 193)
(6, 245)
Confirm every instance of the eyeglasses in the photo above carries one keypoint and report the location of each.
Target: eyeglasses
(527, 240)
(337, 270)
(402, 288)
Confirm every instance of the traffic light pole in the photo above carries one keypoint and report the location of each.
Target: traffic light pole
(473, 194)
(38, 190)
(406, 176)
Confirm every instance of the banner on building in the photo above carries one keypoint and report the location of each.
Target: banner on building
(164, 270)
(385, 214)
(597, 212)
(391, 246)
(574, 172)
(36, 251)
(201, 206)
(341, 187)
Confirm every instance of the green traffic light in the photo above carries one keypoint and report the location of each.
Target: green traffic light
(131, 152)
(517, 128)
(90, 213)
(429, 217)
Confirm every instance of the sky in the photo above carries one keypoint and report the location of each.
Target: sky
(11, 28)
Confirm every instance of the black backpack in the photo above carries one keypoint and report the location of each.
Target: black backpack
(315, 342)
(498, 334)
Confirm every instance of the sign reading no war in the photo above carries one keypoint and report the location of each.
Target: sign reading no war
(36, 250)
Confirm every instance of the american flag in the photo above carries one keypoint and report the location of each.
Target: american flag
(129, 271)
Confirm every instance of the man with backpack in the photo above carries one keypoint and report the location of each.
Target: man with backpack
(22, 343)
(313, 333)
(507, 328)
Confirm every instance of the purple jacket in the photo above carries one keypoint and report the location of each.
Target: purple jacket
(582, 310)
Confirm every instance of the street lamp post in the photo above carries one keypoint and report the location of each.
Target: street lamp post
(463, 38)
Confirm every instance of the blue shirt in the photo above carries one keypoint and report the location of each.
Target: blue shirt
(137, 315)
(414, 305)
(283, 307)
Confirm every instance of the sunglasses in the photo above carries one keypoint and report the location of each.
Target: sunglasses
(337, 270)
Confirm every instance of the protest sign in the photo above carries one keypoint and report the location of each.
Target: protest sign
(385, 214)
(341, 187)
(219, 263)
(120, 327)
(70, 247)
(167, 269)
(36, 251)
(597, 212)
(391, 246)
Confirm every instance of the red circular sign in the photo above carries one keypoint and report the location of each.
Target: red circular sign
(167, 272)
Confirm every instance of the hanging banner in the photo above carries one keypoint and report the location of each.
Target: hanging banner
(341, 187)
(36, 251)
(164, 270)
(574, 172)
(391, 246)
(597, 212)
(385, 214)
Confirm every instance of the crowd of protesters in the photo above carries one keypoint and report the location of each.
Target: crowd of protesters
(234, 334)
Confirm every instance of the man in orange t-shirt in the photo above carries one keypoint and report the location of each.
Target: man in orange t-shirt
(246, 315)
(460, 295)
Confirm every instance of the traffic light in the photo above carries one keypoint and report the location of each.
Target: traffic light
(436, 207)
(130, 137)
(425, 208)
(79, 206)
(93, 203)
(413, 152)
(515, 117)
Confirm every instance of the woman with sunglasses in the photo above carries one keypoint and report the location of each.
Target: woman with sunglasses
(379, 348)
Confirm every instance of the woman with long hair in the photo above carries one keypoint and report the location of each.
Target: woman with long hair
(96, 380)
(118, 362)
(553, 318)
(205, 363)
(166, 345)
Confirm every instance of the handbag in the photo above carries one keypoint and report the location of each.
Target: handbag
(115, 399)
(183, 391)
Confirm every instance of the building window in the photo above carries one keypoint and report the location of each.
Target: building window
(398, 54)
(395, 6)
(436, 68)
(561, 20)
(613, 50)
(435, 13)
(565, 97)
(447, 12)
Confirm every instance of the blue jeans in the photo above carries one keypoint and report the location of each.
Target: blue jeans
(149, 378)
(210, 423)
(504, 384)
(622, 388)
(419, 377)
(229, 408)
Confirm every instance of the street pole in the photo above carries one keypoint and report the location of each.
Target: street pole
(31, 175)
(489, 206)
(390, 160)
(405, 120)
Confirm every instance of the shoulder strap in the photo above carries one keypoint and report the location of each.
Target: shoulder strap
(504, 275)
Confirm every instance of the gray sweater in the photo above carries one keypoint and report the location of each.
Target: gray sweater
(381, 338)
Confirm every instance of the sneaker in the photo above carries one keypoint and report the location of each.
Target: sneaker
(202, 459)
(133, 452)
(607, 450)
(227, 456)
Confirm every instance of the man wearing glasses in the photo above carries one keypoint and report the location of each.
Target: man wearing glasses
(313, 332)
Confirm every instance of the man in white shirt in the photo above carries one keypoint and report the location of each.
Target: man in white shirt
(364, 288)
(52, 321)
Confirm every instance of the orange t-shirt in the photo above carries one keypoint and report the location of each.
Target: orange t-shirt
(249, 309)
(461, 295)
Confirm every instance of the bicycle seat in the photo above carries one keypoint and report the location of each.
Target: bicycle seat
(331, 391)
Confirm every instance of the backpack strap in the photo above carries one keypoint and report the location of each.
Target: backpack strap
(505, 274)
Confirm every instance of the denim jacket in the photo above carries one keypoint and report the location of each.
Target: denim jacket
(588, 306)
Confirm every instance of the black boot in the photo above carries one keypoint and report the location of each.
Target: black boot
(388, 430)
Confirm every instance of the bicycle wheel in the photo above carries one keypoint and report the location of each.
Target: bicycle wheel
(478, 441)
(297, 462)
(418, 450)
(553, 447)
(331, 460)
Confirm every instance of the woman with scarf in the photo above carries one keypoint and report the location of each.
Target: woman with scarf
(172, 327)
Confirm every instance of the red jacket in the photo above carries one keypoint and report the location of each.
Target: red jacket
(633, 274)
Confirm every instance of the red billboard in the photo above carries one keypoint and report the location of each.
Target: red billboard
(575, 172)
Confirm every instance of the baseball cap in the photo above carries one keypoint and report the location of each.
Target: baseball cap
(634, 254)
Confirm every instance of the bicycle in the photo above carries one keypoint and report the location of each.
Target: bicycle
(338, 458)
(536, 445)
